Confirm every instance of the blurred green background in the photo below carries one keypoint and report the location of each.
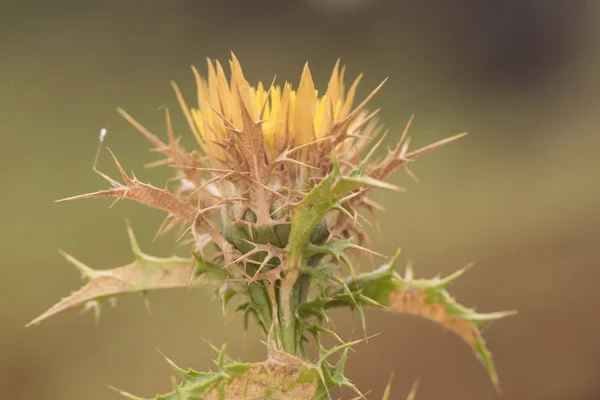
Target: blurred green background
(518, 196)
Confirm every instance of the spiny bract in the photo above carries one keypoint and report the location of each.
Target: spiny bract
(271, 203)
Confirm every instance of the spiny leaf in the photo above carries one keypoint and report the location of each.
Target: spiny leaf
(324, 197)
(337, 249)
(430, 300)
(145, 194)
(375, 285)
(333, 375)
(144, 274)
(237, 380)
(426, 298)
(399, 157)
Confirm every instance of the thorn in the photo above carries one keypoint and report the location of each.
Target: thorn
(413, 391)
(121, 170)
(124, 394)
(404, 149)
(264, 106)
(388, 387)
(146, 303)
(410, 174)
(405, 133)
(225, 120)
(364, 121)
(187, 114)
(392, 264)
(185, 232)
(299, 147)
(452, 277)
(203, 169)
(162, 227)
(374, 148)
(85, 271)
(152, 138)
(366, 250)
(137, 252)
(362, 105)
(435, 145)
(115, 201)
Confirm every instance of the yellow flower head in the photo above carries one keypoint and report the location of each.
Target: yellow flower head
(288, 117)
(262, 151)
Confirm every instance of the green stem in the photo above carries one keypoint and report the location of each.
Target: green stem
(302, 288)
(288, 301)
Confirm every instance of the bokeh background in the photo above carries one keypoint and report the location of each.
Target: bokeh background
(519, 196)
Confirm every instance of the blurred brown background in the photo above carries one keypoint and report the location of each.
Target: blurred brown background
(518, 196)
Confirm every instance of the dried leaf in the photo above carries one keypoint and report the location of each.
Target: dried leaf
(145, 194)
(144, 274)
(251, 142)
(429, 299)
(132, 278)
(399, 157)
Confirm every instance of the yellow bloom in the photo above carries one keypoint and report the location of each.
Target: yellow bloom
(290, 117)
(264, 150)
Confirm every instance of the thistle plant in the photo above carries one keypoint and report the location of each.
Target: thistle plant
(269, 205)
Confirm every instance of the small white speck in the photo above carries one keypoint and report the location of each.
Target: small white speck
(89, 305)
(187, 185)
(101, 137)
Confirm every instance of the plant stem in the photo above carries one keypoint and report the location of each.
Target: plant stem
(288, 301)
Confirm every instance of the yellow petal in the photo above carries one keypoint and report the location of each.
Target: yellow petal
(337, 109)
(350, 98)
(213, 88)
(259, 99)
(240, 87)
(208, 133)
(230, 107)
(187, 113)
(333, 86)
(322, 119)
(306, 102)
(200, 88)
(341, 88)
(282, 125)
(291, 124)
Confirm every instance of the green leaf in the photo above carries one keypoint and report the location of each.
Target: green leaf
(214, 273)
(324, 197)
(426, 298)
(332, 375)
(238, 380)
(144, 274)
(429, 299)
(337, 250)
